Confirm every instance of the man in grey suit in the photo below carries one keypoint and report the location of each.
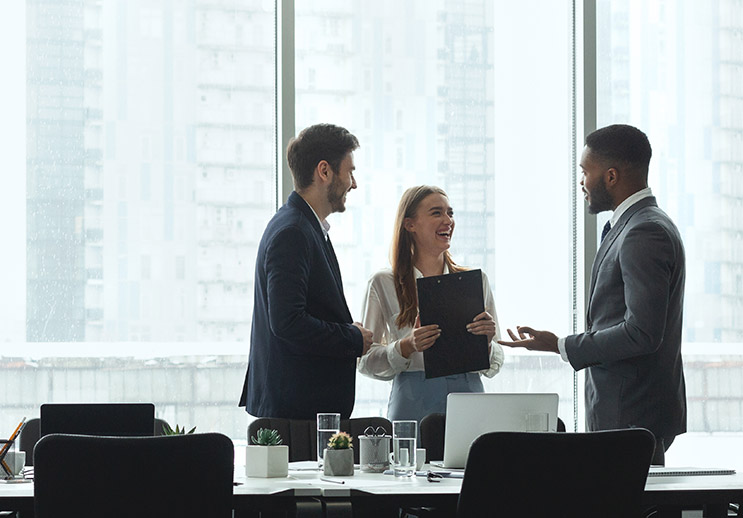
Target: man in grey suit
(631, 348)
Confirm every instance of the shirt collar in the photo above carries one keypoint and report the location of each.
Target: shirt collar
(324, 225)
(628, 202)
(417, 274)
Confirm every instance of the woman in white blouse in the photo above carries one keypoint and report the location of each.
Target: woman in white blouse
(420, 248)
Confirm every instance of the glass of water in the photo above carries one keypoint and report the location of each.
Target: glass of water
(404, 438)
(327, 426)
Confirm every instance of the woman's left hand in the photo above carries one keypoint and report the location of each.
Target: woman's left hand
(483, 324)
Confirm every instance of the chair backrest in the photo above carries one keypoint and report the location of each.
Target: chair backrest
(86, 476)
(29, 437)
(32, 432)
(112, 419)
(432, 434)
(301, 434)
(572, 475)
(160, 425)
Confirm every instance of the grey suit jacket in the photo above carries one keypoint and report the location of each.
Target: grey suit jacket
(632, 344)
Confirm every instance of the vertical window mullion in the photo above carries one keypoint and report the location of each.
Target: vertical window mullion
(285, 95)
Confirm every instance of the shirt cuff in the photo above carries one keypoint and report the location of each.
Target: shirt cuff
(563, 351)
(397, 361)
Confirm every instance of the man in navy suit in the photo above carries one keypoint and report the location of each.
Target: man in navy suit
(631, 348)
(304, 343)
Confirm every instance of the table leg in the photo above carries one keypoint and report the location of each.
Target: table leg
(667, 511)
(338, 509)
(716, 511)
(309, 508)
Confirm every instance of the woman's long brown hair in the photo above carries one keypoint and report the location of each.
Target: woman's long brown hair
(403, 251)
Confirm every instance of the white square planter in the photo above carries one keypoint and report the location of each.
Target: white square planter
(267, 461)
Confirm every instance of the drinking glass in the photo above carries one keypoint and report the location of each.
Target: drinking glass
(404, 438)
(327, 426)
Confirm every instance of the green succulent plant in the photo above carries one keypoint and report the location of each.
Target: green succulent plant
(167, 430)
(266, 437)
(340, 441)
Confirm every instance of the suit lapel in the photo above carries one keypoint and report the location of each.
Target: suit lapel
(333, 260)
(608, 241)
(297, 201)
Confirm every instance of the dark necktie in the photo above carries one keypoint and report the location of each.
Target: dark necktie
(606, 230)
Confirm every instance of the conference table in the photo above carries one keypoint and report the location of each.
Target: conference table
(306, 492)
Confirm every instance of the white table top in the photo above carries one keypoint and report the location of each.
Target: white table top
(303, 482)
(306, 480)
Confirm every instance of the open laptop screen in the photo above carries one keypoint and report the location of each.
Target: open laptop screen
(469, 415)
(117, 419)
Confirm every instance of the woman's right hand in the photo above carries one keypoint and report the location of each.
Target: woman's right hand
(419, 339)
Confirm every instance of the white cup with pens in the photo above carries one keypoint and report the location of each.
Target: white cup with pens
(12, 460)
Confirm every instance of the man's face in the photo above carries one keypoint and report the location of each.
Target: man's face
(594, 183)
(342, 182)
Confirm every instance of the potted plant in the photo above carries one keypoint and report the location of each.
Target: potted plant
(266, 457)
(167, 430)
(338, 456)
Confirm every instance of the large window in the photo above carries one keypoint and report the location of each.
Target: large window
(140, 149)
(149, 175)
(459, 95)
(674, 69)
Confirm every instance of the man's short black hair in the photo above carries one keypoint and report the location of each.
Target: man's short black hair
(313, 144)
(623, 145)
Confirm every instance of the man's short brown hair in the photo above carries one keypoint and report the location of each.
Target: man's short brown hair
(313, 144)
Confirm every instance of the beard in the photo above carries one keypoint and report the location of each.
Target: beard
(335, 195)
(599, 199)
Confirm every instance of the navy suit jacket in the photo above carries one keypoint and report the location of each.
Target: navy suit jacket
(631, 349)
(303, 345)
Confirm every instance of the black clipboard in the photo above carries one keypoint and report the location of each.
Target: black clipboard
(452, 301)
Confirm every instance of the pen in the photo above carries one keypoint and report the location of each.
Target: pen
(8, 444)
(333, 481)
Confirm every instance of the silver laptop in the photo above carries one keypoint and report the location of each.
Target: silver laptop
(468, 416)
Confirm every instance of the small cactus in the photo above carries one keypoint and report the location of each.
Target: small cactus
(340, 441)
(266, 437)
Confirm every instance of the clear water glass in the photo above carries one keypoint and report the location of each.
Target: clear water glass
(327, 426)
(404, 442)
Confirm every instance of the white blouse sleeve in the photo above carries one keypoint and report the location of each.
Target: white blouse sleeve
(496, 351)
(383, 361)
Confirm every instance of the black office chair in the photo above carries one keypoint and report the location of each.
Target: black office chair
(82, 476)
(301, 434)
(552, 475)
(432, 434)
(28, 439)
(160, 426)
(32, 432)
(103, 419)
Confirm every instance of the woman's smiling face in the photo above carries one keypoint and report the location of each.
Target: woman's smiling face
(433, 224)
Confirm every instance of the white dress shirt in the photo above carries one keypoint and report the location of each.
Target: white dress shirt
(384, 361)
(621, 209)
(324, 225)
